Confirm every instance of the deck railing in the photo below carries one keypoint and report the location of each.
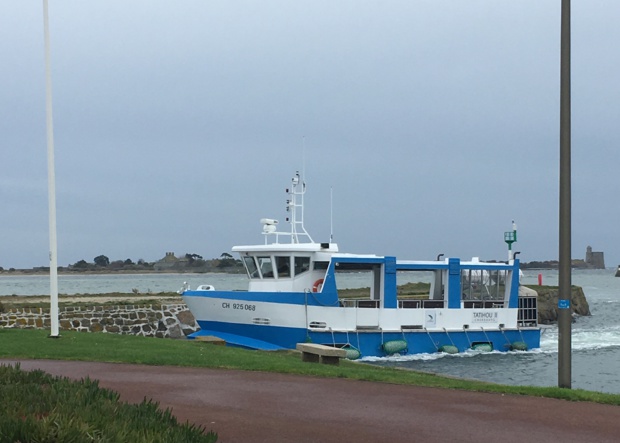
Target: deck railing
(528, 311)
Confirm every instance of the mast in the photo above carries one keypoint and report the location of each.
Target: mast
(295, 205)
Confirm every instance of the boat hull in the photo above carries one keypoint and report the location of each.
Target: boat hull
(265, 325)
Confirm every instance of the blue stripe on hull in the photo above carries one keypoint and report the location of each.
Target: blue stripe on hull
(369, 343)
(235, 340)
(278, 336)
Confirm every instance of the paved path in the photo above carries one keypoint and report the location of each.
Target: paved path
(264, 407)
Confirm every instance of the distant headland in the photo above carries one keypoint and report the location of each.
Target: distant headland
(170, 263)
(194, 263)
(593, 260)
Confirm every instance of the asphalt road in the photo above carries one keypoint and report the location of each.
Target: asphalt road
(265, 407)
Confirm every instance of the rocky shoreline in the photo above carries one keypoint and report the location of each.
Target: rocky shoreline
(548, 303)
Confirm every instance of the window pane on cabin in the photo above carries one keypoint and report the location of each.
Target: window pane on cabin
(266, 266)
(482, 284)
(250, 266)
(283, 265)
(302, 264)
(321, 265)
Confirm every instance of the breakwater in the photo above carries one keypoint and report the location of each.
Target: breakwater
(162, 321)
(548, 303)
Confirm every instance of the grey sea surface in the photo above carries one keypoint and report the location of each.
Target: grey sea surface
(595, 339)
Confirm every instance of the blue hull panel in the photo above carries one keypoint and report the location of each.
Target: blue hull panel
(237, 340)
(369, 343)
(281, 338)
(418, 342)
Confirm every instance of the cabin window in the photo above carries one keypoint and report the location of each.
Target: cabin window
(483, 284)
(250, 266)
(266, 266)
(302, 264)
(283, 265)
(321, 265)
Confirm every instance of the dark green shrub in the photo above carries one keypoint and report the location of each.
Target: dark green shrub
(37, 407)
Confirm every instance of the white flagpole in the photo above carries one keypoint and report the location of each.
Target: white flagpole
(51, 181)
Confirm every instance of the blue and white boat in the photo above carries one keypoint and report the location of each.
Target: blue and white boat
(296, 294)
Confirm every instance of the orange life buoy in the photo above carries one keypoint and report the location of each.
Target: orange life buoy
(317, 284)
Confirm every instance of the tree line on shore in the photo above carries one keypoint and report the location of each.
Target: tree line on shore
(554, 264)
(170, 263)
(196, 263)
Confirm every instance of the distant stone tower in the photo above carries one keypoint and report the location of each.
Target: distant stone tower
(595, 260)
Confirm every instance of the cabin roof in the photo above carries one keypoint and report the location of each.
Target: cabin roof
(288, 247)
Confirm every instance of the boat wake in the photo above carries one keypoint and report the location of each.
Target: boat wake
(583, 339)
(471, 353)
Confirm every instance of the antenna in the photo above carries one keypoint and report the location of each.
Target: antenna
(331, 214)
(303, 156)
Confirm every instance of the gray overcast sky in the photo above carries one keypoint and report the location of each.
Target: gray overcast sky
(178, 125)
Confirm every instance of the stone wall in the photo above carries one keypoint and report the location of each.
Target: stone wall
(163, 321)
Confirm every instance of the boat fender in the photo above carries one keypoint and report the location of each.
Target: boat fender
(352, 352)
(518, 346)
(449, 349)
(318, 285)
(394, 346)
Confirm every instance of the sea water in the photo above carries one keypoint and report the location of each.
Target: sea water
(595, 339)
(123, 283)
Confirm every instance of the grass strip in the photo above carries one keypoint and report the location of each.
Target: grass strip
(34, 344)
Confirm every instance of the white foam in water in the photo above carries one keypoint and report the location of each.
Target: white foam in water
(583, 339)
(403, 358)
(440, 355)
(596, 339)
